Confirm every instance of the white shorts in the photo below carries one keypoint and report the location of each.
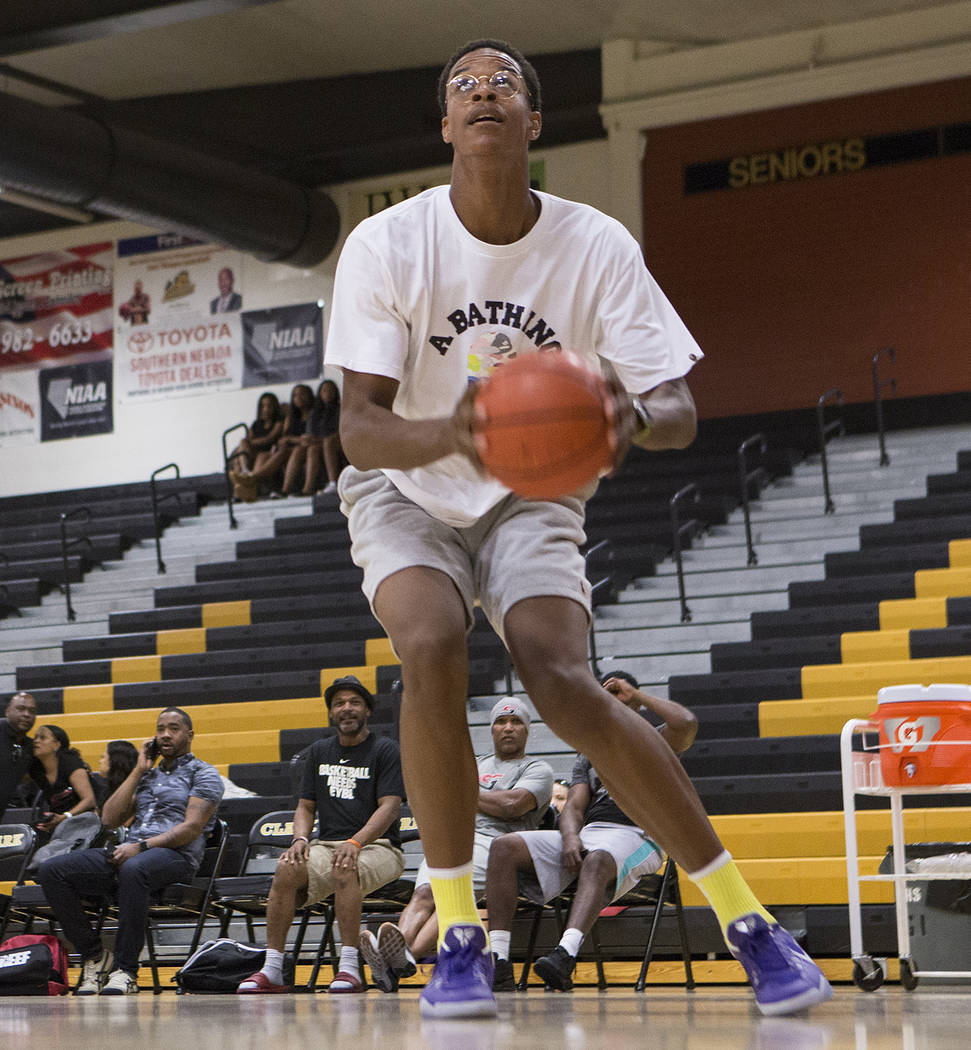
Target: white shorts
(633, 853)
(518, 549)
(480, 861)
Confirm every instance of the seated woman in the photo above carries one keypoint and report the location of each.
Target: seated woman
(260, 438)
(117, 761)
(324, 423)
(63, 778)
(289, 454)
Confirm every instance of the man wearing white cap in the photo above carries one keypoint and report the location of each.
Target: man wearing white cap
(514, 795)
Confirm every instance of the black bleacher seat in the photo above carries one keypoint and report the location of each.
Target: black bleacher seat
(282, 545)
(307, 561)
(49, 571)
(851, 589)
(920, 530)
(940, 641)
(742, 756)
(736, 687)
(17, 594)
(342, 581)
(265, 778)
(776, 652)
(130, 527)
(956, 503)
(207, 486)
(108, 546)
(718, 721)
(815, 620)
(186, 504)
(958, 481)
(872, 561)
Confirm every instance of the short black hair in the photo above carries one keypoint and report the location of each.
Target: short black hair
(624, 676)
(529, 73)
(177, 711)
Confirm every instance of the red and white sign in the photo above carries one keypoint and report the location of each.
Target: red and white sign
(56, 306)
(19, 408)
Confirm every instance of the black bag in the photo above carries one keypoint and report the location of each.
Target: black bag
(219, 966)
(33, 964)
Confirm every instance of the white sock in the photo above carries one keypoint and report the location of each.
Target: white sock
(349, 963)
(273, 967)
(571, 941)
(499, 942)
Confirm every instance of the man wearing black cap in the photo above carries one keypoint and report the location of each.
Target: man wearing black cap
(352, 782)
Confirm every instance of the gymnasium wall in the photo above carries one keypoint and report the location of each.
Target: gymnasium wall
(793, 279)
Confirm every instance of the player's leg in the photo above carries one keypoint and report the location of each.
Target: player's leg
(547, 637)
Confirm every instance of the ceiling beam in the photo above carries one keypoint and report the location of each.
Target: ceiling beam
(32, 25)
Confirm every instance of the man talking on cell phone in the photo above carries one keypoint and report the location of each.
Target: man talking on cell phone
(174, 807)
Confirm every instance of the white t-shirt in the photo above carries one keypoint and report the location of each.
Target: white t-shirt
(418, 299)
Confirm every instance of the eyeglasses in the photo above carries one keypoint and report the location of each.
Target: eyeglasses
(504, 83)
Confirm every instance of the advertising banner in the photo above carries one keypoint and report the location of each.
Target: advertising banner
(75, 401)
(56, 306)
(284, 344)
(19, 408)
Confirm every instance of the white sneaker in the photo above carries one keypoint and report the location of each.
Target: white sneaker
(120, 983)
(93, 974)
(331, 486)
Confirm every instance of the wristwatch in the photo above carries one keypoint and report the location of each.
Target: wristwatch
(643, 415)
(143, 845)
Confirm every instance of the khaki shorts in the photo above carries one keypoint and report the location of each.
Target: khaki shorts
(518, 549)
(377, 864)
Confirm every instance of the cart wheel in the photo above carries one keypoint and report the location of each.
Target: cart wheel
(907, 978)
(867, 974)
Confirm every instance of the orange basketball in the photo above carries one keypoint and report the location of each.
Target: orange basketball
(543, 425)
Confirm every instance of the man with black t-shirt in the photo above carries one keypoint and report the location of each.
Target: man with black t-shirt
(16, 748)
(352, 781)
(597, 844)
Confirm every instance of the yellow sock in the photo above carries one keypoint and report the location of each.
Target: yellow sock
(454, 897)
(727, 892)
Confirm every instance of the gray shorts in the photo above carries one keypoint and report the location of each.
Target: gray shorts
(634, 854)
(518, 549)
(480, 862)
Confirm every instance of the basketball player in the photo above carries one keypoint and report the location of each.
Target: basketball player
(429, 295)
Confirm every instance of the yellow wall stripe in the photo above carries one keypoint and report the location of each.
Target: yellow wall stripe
(181, 642)
(378, 651)
(959, 554)
(226, 614)
(942, 583)
(806, 717)
(913, 613)
(857, 646)
(83, 698)
(128, 669)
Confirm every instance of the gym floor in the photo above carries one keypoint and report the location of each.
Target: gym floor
(712, 1018)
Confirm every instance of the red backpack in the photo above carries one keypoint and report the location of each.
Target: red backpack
(33, 964)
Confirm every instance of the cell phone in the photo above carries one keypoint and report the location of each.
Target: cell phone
(153, 749)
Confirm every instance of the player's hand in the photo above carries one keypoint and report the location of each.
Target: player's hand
(572, 853)
(461, 424)
(345, 857)
(624, 691)
(623, 418)
(296, 854)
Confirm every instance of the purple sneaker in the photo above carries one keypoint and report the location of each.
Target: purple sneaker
(783, 976)
(461, 985)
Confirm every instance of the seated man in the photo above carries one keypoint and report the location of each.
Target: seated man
(352, 781)
(174, 806)
(596, 844)
(514, 794)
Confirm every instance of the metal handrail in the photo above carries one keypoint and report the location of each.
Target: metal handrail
(825, 429)
(745, 476)
(604, 581)
(676, 529)
(65, 545)
(233, 523)
(155, 503)
(878, 385)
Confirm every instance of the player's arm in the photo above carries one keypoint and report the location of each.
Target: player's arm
(372, 436)
(680, 725)
(671, 420)
(506, 805)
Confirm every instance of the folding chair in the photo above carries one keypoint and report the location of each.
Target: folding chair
(194, 899)
(247, 893)
(653, 891)
(17, 842)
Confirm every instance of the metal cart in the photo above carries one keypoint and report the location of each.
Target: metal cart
(861, 776)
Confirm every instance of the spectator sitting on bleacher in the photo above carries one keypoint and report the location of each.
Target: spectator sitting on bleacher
(174, 806)
(596, 844)
(514, 795)
(261, 435)
(117, 761)
(15, 746)
(289, 454)
(560, 790)
(324, 423)
(353, 783)
(62, 776)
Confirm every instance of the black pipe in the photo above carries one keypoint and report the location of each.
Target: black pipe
(66, 156)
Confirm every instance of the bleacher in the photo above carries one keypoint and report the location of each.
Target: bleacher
(249, 643)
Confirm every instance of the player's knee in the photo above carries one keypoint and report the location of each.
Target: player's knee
(600, 864)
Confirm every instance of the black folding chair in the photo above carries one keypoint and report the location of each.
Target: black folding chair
(17, 842)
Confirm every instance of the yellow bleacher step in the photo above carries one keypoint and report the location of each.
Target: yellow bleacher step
(820, 681)
(913, 613)
(180, 642)
(226, 614)
(220, 748)
(378, 651)
(859, 646)
(959, 554)
(87, 698)
(808, 717)
(942, 583)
